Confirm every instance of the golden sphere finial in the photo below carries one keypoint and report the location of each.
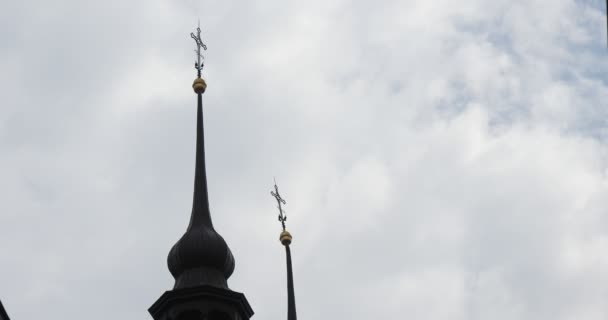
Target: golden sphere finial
(199, 85)
(285, 237)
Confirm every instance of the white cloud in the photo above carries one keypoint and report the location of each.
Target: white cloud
(440, 161)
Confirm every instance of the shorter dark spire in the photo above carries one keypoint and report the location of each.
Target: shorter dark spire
(291, 296)
(286, 238)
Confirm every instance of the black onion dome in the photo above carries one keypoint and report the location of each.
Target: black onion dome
(201, 256)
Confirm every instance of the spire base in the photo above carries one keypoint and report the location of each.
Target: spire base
(202, 302)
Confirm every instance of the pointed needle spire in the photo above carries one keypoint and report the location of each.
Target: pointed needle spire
(200, 256)
(286, 238)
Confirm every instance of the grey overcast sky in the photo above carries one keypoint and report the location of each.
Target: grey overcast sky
(440, 159)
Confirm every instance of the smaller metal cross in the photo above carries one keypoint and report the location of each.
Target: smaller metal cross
(198, 65)
(277, 196)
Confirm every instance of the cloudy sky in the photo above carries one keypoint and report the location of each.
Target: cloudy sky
(440, 159)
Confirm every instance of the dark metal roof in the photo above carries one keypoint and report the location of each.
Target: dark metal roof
(201, 256)
(200, 298)
(3, 314)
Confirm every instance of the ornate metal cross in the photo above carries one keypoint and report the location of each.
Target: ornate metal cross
(277, 196)
(198, 65)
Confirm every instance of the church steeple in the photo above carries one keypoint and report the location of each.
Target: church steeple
(200, 261)
(285, 239)
(201, 256)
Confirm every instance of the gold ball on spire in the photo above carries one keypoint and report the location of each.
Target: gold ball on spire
(199, 85)
(285, 238)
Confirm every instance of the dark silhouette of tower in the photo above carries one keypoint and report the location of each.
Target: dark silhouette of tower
(201, 262)
(3, 315)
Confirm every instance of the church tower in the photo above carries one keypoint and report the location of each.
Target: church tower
(201, 262)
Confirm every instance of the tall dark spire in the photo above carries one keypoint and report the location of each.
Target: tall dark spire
(201, 256)
(286, 238)
(200, 261)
